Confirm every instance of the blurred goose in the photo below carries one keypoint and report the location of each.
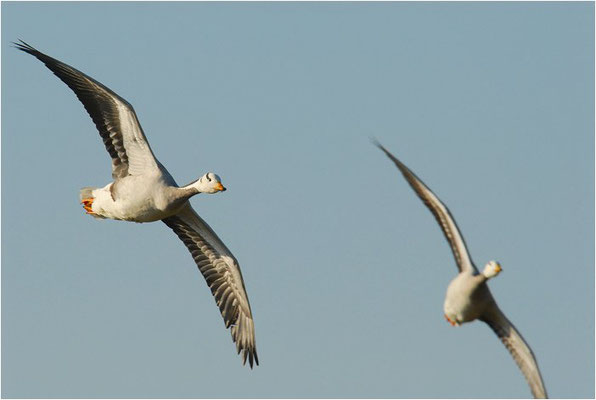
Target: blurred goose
(144, 191)
(468, 297)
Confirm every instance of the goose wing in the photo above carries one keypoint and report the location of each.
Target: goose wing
(519, 349)
(113, 116)
(441, 213)
(222, 273)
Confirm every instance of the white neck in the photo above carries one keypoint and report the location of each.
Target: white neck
(197, 186)
(192, 188)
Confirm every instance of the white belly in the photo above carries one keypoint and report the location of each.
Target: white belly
(458, 302)
(146, 202)
(467, 298)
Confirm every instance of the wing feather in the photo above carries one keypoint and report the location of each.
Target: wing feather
(222, 273)
(441, 213)
(114, 117)
(519, 349)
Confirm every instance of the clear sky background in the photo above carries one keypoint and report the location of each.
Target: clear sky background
(491, 104)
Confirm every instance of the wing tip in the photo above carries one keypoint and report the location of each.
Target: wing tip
(251, 355)
(245, 343)
(24, 46)
(377, 143)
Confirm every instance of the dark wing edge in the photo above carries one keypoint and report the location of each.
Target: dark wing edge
(223, 276)
(518, 348)
(102, 105)
(440, 212)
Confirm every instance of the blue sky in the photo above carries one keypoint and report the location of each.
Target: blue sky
(491, 104)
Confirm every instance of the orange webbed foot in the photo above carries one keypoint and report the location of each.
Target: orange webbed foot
(453, 323)
(87, 205)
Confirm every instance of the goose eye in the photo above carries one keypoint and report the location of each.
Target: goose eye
(209, 179)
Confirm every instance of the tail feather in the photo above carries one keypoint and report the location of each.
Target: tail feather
(86, 193)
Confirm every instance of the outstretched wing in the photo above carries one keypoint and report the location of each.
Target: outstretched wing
(113, 116)
(441, 213)
(222, 273)
(519, 349)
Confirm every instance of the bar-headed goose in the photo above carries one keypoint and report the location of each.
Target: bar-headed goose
(468, 297)
(144, 191)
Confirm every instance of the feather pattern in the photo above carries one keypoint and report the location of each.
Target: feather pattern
(441, 213)
(222, 273)
(519, 349)
(113, 116)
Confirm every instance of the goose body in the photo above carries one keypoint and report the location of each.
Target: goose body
(142, 190)
(143, 198)
(468, 297)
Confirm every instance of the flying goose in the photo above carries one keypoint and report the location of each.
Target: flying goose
(144, 191)
(468, 297)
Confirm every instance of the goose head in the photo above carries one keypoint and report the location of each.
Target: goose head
(492, 269)
(209, 183)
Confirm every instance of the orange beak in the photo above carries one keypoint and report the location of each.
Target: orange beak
(220, 187)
